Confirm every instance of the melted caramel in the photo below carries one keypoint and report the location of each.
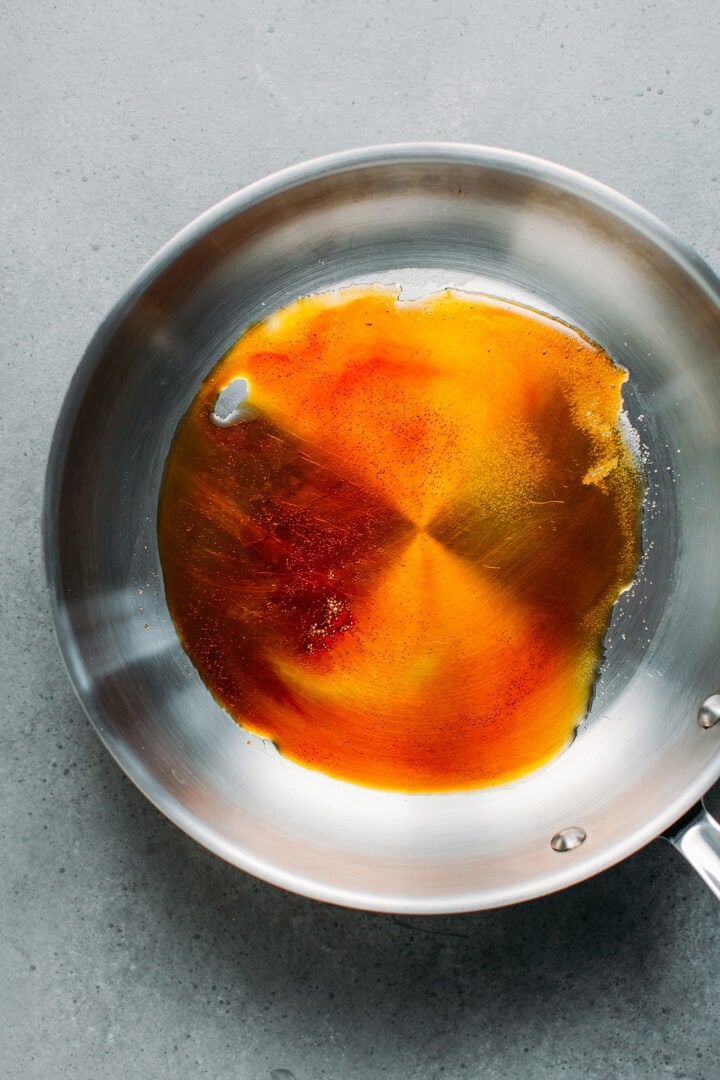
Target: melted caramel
(398, 558)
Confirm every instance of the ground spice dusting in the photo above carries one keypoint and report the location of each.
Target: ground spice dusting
(397, 553)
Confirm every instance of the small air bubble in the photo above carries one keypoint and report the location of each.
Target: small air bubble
(232, 406)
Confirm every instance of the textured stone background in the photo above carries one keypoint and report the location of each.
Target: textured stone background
(126, 951)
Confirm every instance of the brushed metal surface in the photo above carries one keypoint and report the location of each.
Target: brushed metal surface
(697, 838)
(423, 216)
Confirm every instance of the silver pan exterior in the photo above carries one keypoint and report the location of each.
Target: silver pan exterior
(424, 216)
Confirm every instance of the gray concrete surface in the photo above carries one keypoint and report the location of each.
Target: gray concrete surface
(126, 951)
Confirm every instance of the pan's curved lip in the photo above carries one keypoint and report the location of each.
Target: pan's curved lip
(570, 871)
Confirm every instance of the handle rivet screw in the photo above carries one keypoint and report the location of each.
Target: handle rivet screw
(568, 839)
(709, 711)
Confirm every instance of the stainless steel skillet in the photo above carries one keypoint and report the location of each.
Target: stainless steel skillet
(423, 216)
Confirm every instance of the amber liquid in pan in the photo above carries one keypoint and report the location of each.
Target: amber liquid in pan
(398, 556)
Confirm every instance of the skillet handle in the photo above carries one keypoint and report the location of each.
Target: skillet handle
(697, 837)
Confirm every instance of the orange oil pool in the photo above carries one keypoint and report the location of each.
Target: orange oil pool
(399, 556)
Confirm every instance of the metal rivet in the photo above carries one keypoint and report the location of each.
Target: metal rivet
(709, 711)
(568, 839)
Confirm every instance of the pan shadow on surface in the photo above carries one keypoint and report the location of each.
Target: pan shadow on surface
(440, 987)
